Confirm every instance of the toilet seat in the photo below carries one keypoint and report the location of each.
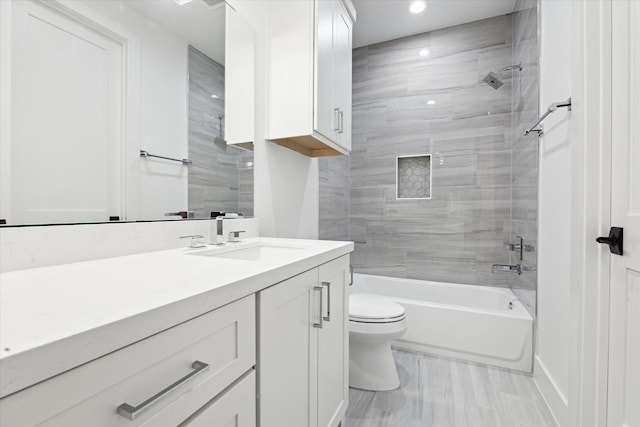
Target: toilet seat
(365, 308)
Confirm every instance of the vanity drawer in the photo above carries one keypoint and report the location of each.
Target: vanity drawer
(234, 408)
(91, 394)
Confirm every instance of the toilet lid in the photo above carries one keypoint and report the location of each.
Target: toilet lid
(363, 307)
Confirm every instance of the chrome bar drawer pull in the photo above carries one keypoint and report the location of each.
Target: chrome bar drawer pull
(133, 412)
(336, 120)
(319, 324)
(328, 316)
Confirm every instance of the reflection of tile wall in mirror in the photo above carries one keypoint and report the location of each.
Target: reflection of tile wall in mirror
(414, 177)
(221, 177)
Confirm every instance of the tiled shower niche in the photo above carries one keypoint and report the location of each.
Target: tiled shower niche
(413, 177)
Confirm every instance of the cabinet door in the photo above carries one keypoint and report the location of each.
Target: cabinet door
(235, 408)
(239, 79)
(324, 117)
(333, 344)
(287, 355)
(342, 43)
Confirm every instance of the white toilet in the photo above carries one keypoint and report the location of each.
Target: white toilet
(374, 322)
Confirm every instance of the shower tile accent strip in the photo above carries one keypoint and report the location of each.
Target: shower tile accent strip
(413, 177)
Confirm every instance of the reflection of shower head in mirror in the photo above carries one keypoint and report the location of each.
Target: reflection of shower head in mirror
(219, 140)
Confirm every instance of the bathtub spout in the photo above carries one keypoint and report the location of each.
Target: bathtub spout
(505, 268)
(495, 268)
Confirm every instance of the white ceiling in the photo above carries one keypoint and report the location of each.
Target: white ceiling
(382, 20)
(201, 26)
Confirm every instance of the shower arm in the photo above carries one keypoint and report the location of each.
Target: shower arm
(511, 67)
(553, 107)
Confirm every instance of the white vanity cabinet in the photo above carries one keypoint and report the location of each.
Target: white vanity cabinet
(254, 334)
(309, 76)
(303, 348)
(163, 380)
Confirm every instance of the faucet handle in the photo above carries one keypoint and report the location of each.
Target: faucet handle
(234, 236)
(195, 240)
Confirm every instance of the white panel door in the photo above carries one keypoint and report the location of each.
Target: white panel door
(333, 344)
(66, 119)
(623, 409)
(287, 355)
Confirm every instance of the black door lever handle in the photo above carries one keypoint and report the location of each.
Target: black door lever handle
(614, 240)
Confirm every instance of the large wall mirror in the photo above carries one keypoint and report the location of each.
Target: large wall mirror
(87, 86)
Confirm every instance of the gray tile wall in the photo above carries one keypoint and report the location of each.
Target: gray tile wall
(334, 198)
(462, 230)
(524, 104)
(220, 178)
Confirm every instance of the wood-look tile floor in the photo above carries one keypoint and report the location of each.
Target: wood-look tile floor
(437, 392)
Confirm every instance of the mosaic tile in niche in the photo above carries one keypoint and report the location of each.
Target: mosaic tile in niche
(414, 177)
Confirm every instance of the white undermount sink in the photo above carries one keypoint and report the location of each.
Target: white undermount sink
(259, 252)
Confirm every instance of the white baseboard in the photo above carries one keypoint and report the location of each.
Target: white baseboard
(551, 393)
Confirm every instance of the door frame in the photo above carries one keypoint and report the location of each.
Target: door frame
(591, 34)
(130, 42)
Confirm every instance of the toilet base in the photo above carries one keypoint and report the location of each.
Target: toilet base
(372, 367)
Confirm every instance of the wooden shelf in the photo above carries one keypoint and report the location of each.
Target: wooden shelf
(309, 146)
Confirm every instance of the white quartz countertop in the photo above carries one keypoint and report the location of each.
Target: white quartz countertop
(53, 319)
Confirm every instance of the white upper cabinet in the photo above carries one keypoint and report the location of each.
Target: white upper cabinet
(309, 76)
(239, 80)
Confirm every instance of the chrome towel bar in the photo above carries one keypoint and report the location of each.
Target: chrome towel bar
(553, 107)
(144, 153)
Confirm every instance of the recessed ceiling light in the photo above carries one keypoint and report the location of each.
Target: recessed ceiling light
(431, 102)
(214, 96)
(424, 52)
(182, 2)
(417, 6)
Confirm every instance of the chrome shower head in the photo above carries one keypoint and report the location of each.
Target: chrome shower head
(493, 80)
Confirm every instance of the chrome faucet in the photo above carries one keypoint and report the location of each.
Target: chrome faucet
(505, 268)
(219, 233)
(197, 241)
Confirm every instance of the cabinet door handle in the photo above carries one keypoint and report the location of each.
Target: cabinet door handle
(320, 318)
(341, 122)
(133, 412)
(328, 316)
(336, 119)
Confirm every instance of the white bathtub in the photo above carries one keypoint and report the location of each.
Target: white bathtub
(477, 323)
